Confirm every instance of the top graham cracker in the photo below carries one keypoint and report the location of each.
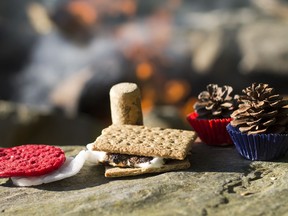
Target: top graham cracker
(145, 141)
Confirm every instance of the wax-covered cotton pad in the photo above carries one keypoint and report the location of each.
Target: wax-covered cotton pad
(30, 160)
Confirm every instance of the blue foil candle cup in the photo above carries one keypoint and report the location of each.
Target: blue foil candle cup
(262, 147)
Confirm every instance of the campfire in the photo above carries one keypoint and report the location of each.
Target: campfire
(146, 44)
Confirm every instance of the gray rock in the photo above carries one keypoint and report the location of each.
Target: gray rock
(20, 124)
(165, 117)
(264, 47)
(213, 38)
(219, 182)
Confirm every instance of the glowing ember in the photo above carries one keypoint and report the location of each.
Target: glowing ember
(148, 99)
(83, 11)
(144, 71)
(128, 7)
(176, 90)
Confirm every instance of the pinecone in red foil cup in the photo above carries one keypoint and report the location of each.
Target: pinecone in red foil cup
(261, 110)
(212, 115)
(215, 103)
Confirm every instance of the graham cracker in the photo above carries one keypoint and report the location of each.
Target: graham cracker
(145, 141)
(121, 172)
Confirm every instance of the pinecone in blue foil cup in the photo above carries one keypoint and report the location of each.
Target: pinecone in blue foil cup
(259, 126)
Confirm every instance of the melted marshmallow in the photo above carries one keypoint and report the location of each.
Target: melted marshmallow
(99, 156)
(94, 157)
(156, 162)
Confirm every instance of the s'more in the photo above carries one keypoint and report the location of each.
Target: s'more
(128, 150)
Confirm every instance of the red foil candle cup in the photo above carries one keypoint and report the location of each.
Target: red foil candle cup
(211, 131)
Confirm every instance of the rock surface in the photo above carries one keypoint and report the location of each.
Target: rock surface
(219, 182)
(264, 50)
(20, 124)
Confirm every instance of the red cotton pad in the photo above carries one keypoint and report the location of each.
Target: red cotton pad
(30, 160)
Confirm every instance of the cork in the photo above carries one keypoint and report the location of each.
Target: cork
(125, 103)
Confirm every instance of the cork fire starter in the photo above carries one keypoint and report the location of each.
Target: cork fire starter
(125, 101)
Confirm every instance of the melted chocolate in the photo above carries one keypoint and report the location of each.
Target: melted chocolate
(124, 160)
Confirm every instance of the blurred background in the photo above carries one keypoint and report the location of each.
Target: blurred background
(59, 59)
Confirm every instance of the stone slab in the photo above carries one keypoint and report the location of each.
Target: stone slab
(219, 182)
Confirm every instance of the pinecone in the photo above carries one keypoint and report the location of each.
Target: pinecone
(261, 111)
(215, 103)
